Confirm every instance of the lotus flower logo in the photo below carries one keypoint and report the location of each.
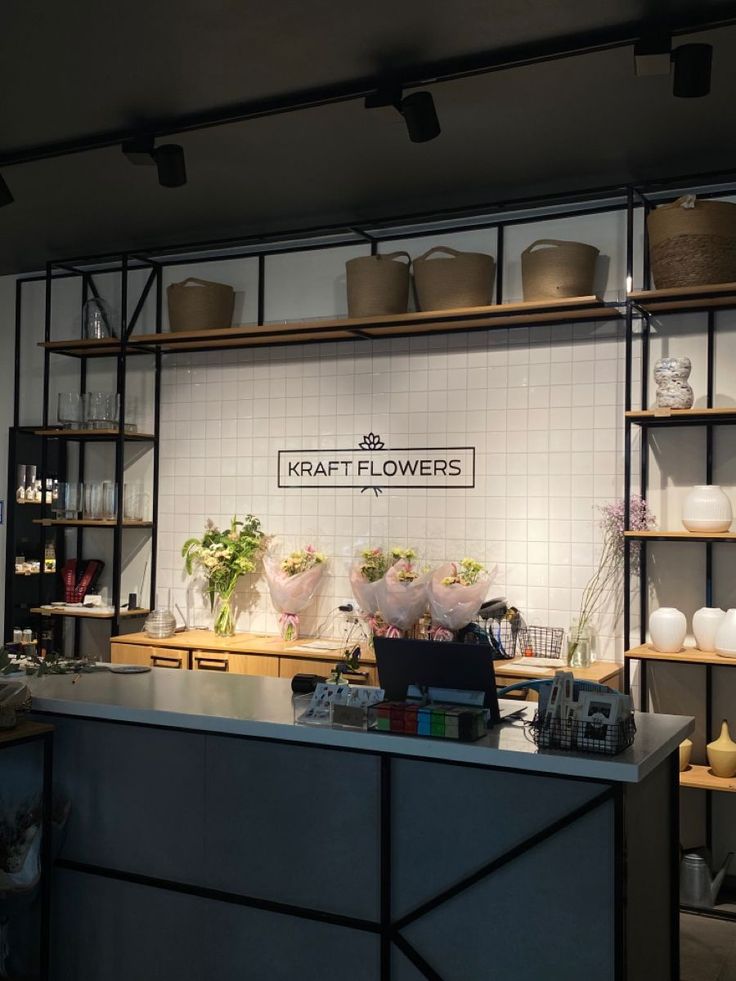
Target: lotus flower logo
(371, 442)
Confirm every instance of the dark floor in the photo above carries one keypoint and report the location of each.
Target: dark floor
(707, 949)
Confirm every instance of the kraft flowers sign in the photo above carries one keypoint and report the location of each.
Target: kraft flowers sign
(374, 466)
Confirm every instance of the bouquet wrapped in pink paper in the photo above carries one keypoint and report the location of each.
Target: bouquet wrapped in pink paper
(456, 592)
(292, 582)
(365, 573)
(402, 593)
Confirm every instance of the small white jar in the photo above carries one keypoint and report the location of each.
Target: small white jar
(707, 509)
(667, 629)
(726, 635)
(706, 622)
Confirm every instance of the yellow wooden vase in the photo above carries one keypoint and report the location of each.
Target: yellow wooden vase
(722, 754)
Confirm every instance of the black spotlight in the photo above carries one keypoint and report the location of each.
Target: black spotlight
(692, 70)
(172, 171)
(5, 196)
(421, 117)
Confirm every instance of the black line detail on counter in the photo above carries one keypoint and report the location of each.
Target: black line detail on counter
(405, 467)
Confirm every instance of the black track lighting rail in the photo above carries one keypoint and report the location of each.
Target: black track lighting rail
(411, 77)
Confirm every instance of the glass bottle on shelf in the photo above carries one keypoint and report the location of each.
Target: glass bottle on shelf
(49, 558)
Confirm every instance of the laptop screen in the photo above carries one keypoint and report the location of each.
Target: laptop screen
(433, 664)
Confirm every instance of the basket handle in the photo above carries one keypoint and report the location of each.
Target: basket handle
(438, 248)
(393, 255)
(546, 241)
(199, 282)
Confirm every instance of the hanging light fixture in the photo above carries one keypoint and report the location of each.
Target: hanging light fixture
(5, 196)
(417, 109)
(692, 70)
(169, 159)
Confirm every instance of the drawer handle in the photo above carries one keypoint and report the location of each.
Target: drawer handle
(212, 663)
(165, 661)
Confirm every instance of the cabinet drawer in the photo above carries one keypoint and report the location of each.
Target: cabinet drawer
(149, 655)
(232, 663)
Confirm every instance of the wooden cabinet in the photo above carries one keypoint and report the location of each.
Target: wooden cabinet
(232, 663)
(149, 655)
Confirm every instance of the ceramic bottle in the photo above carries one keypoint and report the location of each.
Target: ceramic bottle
(726, 635)
(706, 622)
(667, 629)
(722, 753)
(707, 509)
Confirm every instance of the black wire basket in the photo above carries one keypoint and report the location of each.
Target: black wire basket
(609, 738)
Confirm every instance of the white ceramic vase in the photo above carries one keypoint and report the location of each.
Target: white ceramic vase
(706, 622)
(667, 629)
(726, 635)
(707, 509)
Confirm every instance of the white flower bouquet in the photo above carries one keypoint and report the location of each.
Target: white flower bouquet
(456, 592)
(292, 582)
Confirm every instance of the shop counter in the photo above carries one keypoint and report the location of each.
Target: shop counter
(211, 836)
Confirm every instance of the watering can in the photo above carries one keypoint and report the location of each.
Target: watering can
(698, 886)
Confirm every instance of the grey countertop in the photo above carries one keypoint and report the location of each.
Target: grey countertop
(262, 707)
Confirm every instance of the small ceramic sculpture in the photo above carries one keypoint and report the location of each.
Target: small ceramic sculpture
(686, 748)
(667, 629)
(722, 754)
(706, 622)
(707, 509)
(673, 390)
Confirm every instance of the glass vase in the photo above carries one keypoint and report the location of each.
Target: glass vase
(224, 625)
(579, 645)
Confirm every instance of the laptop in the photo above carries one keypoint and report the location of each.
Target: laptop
(433, 664)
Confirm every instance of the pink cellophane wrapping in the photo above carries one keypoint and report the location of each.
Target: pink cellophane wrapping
(455, 606)
(290, 594)
(401, 604)
(365, 592)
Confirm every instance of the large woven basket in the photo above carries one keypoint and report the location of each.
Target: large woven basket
(197, 304)
(692, 243)
(377, 284)
(557, 269)
(458, 279)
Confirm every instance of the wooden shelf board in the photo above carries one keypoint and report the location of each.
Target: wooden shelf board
(665, 417)
(701, 778)
(689, 655)
(684, 298)
(88, 523)
(90, 434)
(683, 536)
(86, 614)
(298, 332)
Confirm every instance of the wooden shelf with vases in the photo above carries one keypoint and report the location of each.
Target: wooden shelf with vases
(681, 536)
(60, 611)
(688, 655)
(722, 415)
(92, 435)
(89, 523)
(530, 313)
(677, 299)
(700, 777)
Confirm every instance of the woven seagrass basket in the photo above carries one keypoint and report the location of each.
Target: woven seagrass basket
(692, 243)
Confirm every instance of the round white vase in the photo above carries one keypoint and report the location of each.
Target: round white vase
(667, 629)
(707, 509)
(726, 635)
(706, 622)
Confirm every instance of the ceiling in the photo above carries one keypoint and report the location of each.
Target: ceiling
(91, 66)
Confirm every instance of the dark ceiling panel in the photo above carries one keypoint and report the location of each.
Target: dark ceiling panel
(580, 122)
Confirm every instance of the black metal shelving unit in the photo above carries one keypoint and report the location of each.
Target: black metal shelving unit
(642, 307)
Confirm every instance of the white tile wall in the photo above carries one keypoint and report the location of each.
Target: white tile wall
(547, 456)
